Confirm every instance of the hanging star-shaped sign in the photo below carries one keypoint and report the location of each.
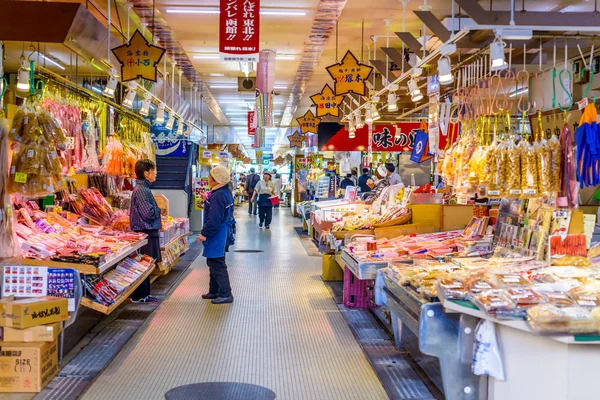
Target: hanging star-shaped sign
(327, 102)
(138, 58)
(350, 75)
(308, 123)
(296, 139)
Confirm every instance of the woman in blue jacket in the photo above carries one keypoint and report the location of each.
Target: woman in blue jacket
(218, 221)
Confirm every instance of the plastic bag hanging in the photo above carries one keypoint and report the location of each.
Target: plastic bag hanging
(588, 148)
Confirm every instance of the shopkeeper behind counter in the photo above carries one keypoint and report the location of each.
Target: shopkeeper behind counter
(144, 216)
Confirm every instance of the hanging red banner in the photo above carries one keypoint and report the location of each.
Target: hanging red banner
(251, 123)
(239, 30)
(384, 138)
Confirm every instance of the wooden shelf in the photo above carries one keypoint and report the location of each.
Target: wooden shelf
(83, 268)
(120, 299)
(174, 240)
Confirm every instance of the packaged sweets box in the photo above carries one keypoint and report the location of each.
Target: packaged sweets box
(40, 333)
(25, 313)
(27, 367)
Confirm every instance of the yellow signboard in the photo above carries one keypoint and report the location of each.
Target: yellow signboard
(350, 75)
(308, 123)
(138, 58)
(327, 102)
(296, 139)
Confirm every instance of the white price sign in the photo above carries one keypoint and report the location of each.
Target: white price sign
(70, 143)
(206, 154)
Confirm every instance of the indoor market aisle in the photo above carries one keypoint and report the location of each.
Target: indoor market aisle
(283, 331)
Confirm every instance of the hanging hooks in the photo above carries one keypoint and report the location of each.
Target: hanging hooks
(539, 84)
(562, 83)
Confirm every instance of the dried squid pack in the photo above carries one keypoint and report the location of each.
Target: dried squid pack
(31, 128)
(31, 159)
(513, 168)
(495, 170)
(16, 131)
(52, 164)
(529, 171)
(543, 156)
(555, 164)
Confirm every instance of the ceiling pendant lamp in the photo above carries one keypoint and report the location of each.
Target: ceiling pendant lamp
(145, 109)
(160, 114)
(111, 85)
(497, 55)
(368, 117)
(23, 79)
(414, 91)
(392, 102)
(358, 123)
(130, 96)
(375, 112)
(180, 128)
(445, 71)
(170, 122)
(351, 129)
(397, 134)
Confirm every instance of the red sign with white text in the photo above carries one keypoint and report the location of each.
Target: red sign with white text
(239, 30)
(384, 138)
(251, 123)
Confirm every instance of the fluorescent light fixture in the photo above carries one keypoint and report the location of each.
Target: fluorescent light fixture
(216, 11)
(206, 57)
(216, 74)
(23, 79)
(517, 34)
(445, 71)
(130, 96)
(240, 128)
(518, 92)
(375, 112)
(145, 109)
(392, 106)
(222, 86)
(96, 89)
(160, 114)
(51, 61)
(280, 87)
(497, 55)
(111, 85)
(285, 57)
(246, 67)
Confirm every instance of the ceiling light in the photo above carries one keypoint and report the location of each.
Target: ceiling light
(280, 87)
(368, 117)
(23, 79)
(445, 71)
(111, 85)
(219, 74)
(206, 56)
(497, 55)
(130, 96)
(518, 92)
(51, 61)
(392, 106)
(216, 11)
(413, 89)
(160, 114)
(398, 134)
(170, 122)
(180, 127)
(516, 34)
(351, 129)
(285, 57)
(145, 109)
(375, 112)
(417, 97)
(246, 67)
(358, 120)
(223, 86)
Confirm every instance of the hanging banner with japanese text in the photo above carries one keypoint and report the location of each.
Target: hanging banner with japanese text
(239, 30)
(327, 102)
(350, 75)
(251, 123)
(334, 137)
(138, 58)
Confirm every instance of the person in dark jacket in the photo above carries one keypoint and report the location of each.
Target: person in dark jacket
(347, 181)
(218, 217)
(251, 182)
(362, 181)
(144, 216)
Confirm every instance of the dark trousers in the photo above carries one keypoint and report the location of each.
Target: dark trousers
(265, 214)
(251, 204)
(219, 277)
(151, 249)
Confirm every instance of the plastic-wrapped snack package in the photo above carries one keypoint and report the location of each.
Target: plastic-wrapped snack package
(16, 131)
(478, 284)
(512, 280)
(31, 128)
(544, 166)
(452, 288)
(474, 167)
(9, 246)
(525, 297)
(529, 171)
(512, 162)
(31, 159)
(493, 301)
(586, 299)
(555, 164)
(547, 319)
(495, 171)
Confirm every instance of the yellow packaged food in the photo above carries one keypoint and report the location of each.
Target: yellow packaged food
(544, 165)
(555, 164)
(529, 170)
(495, 170)
(513, 168)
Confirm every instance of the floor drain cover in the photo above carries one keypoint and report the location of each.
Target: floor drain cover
(249, 251)
(220, 391)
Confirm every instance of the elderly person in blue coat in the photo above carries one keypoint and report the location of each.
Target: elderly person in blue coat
(216, 234)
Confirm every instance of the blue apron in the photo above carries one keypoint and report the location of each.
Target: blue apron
(264, 200)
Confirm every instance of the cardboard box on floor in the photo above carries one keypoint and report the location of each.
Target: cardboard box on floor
(41, 333)
(25, 313)
(27, 367)
(332, 271)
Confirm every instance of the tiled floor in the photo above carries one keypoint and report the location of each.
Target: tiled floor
(283, 331)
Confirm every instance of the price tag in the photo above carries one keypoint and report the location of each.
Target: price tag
(20, 177)
(583, 103)
(515, 191)
(70, 143)
(560, 214)
(206, 154)
(224, 155)
(493, 192)
(30, 153)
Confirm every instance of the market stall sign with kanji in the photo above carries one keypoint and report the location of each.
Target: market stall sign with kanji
(296, 139)
(327, 102)
(308, 123)
(138, 58)
(350, 75)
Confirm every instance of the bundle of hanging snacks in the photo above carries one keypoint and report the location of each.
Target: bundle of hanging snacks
(68, 115)
(136, 143)
(95, 207)
(8, 242)
(36, 163)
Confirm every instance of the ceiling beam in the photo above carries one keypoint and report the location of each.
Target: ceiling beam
(409, 40)
(528, 18)
(434, 24)
(381, 67)
(396, 57)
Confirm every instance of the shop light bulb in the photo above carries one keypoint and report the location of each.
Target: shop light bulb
(23, 80)
(130, 96)
(392, 102)
(368, 117)
(416, 97)
(374, 112)
(111, 85)
(351, 134)
(398, 133)
(413, 89)
(180, 128)
(445, 71)
(160, 114)
(145, 109)
(170, 122)
(358, 120)
(497, 56)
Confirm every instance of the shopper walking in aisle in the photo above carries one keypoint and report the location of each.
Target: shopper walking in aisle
(362, 181)
(265, 189)
(277, 183)
(144, 216)
(251, 182)
(347, 181)
(217, 234)
(393, 176)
